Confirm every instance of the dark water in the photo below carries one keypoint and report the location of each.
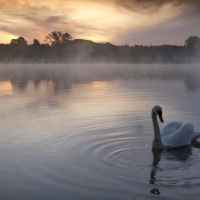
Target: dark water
(85, 132)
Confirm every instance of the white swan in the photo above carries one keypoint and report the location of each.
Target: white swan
(174, 134)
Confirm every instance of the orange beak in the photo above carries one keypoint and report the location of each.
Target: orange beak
(160, 117)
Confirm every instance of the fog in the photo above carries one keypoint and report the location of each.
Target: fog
(63, 76)
(84, 51)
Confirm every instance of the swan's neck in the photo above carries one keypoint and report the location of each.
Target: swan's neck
(155, 126)
(157, 143)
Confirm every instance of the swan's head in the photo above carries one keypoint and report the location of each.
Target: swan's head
(158, 111)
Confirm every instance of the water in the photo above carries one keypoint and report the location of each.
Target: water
(85, 132)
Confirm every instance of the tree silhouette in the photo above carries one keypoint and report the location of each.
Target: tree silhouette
(19, 42)
(36, 42)
(80, 50)
(192, 43)
(57, 37)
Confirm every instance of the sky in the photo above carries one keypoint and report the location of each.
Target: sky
(142, 22)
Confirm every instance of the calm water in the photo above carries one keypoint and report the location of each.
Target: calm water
(85, 132)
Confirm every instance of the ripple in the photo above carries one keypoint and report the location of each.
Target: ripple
(94, 142)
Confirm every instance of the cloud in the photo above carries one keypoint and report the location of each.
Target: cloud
(89, 21)
(150, 6)
(30, 21)
(118, 21)
(164, 22)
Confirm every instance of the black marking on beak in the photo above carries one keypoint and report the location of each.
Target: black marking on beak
(160, 116)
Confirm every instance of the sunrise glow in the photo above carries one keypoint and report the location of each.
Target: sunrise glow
(6, 88)
(118, 22)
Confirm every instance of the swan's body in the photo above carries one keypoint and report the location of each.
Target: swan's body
(174, 134)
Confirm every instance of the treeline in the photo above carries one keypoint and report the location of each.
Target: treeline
(59, 47)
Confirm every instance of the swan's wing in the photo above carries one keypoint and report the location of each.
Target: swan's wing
(195, 135)
(181, 135)
(170, 128)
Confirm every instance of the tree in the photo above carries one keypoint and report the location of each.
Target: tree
(192, 43)
(57, 37)
(36, 43)
(19, 42)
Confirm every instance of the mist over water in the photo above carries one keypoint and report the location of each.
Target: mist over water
(65, 75)
(85, 131)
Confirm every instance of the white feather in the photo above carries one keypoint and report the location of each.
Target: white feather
(174, 134)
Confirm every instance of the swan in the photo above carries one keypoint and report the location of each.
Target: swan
(174, 134)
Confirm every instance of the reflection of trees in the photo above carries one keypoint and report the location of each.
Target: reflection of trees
(20, 76)
(19, 79)
(63, 76)
(192, 81)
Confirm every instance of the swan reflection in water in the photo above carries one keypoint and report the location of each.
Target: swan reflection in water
(181, 155)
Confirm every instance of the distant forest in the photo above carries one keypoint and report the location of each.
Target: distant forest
(60, 47)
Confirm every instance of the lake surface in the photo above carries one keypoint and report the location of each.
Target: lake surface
(85, 132)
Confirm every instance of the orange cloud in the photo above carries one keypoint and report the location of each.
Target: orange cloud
(113, 21)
